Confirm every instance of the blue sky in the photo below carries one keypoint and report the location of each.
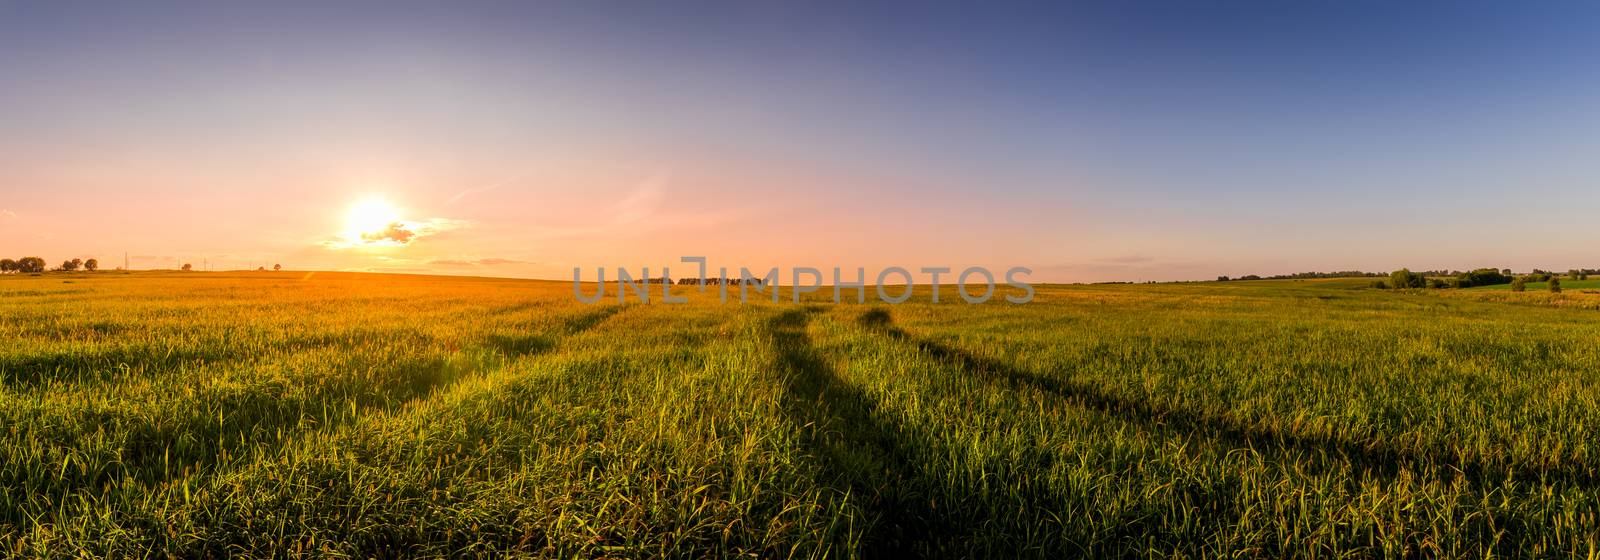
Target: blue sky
(1089, 141)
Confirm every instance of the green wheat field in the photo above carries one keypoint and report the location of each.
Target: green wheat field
(351, 415)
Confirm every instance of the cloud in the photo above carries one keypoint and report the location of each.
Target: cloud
(470, 192)
(7, 214)
(1130, 259)
(480, 262)
(398, 234)
(496, 262)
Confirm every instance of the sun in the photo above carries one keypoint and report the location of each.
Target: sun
(369, 217)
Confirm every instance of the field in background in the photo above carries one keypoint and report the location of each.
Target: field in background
(1566, 284)
(343, 414)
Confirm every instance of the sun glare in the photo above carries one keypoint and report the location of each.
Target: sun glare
(370, 217)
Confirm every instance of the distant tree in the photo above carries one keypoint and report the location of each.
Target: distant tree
(1438, 284)
(277, 267)
(1575, 274)
(91, 265)
(1222, 278)
(1519, 284)
(1404, 278)
(32, 265)
(71, 265)
(1555, 284)
(187, 267)
(1379, 284)
(7, 266)
(261, 269)
(1484, 277)
(1505, 271)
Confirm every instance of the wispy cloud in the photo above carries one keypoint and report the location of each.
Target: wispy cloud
(154, 258)
(479, 262)
(484, 189)
(642, 209)
(470, 192)
(1129, 259)
(7, 214)
(498, 262)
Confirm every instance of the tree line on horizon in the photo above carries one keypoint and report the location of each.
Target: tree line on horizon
(36, 265)
(1439, 279)
(1406, 279)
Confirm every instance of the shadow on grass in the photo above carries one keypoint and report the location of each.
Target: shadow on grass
(590, 319)
(100, 364)
(183, 442)
(1380, 457)
(856, 449)
(517, 345)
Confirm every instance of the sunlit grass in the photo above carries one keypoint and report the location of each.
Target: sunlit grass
(353, 415)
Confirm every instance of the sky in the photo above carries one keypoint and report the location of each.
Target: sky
(1087, 141)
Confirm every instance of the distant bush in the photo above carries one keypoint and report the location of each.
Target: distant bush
(1223, 279)
(1380, 285)
(1438, 284)
(1404, 278)
(1519, 284)
(1484, 277)
(187, 267)
(7, 265)
(1555, 284)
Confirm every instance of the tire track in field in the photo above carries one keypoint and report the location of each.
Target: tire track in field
(147, 456)
(110, 363)
(1383, 458)
(856, 447)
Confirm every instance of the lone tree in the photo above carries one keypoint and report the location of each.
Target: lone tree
(30, 265)
(1519, 284)
(187, 267)
(1555, 284)
(71, 265)
(277, 267)
(91, 265)
(7, 266)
